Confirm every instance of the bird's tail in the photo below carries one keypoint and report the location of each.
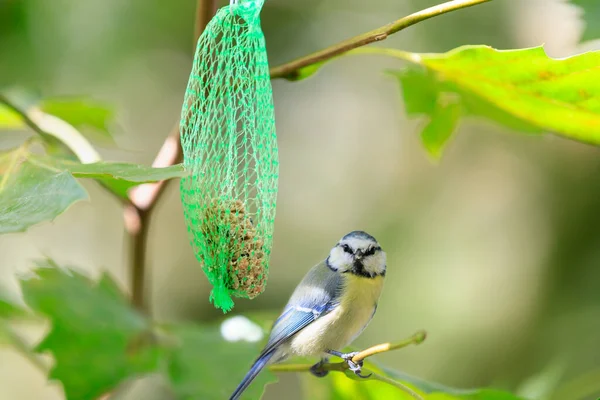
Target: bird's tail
(258, 365)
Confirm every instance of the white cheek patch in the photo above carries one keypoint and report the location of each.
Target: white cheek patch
(375, 263)
(339, 260)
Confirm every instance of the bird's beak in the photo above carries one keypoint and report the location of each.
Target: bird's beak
(358, 254)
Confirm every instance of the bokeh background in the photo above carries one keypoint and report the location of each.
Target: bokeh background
(494, 250)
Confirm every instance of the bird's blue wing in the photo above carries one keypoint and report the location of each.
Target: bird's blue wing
(314, 297)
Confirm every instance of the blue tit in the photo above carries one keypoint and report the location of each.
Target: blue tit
(330, 307)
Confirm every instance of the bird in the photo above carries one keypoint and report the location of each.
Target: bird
(329, 308)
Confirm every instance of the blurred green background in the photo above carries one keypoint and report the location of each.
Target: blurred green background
(494, 251)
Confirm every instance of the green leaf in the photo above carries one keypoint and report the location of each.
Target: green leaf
(483, 394)
(8, 311)
(307, 72)
(521, 89)
(207, 367)
(119, 177)
(8, 308)
(82, 113)
(591, 16)
(441, 125)
(132, 173)
(338, 386)
(30, 194)
(96, 338)
(10, 119)
(7, 336)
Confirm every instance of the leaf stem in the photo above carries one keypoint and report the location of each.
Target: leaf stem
(53, 129)
(396, 384)
(291, 69)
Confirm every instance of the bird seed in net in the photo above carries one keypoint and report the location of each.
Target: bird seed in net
(230, 148)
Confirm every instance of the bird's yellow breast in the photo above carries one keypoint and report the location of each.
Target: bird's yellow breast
(341, 326)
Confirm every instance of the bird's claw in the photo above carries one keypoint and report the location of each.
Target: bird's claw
(355, 367)
(317, 369)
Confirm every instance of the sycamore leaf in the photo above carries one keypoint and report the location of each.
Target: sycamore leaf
(9, 119)
(8, 307)
(521, 89)
(97, 339)
(438, 130)
(591, 17)
(8, 310)
(119, 177)
(30, 194)
(337, 386)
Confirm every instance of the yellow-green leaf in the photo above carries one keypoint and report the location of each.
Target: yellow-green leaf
(30, 194)
(9, 119)
(522, 89)
(442, 123)
(97, 339)
(119, 177)
(337, 386)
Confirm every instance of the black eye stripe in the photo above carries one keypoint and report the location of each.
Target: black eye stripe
(347, 249)
(371, 250)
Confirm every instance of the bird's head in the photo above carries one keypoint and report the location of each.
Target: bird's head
(358, 253)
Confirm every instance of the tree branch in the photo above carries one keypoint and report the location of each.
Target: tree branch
(291, 70)
(415, 339)
(143, 198)
(418, 338)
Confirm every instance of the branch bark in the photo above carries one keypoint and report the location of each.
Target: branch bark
(137, 214)
(291, 69)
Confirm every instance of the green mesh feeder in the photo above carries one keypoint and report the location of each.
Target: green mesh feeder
(230, 148)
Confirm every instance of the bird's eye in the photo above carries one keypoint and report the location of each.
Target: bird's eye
(347, 249)
(370, 251)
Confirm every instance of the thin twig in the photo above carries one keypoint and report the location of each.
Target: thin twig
(291, 69)
(417, 338)
(204, 13)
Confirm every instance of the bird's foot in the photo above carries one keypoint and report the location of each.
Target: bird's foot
(317, 369)
(355, 367)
